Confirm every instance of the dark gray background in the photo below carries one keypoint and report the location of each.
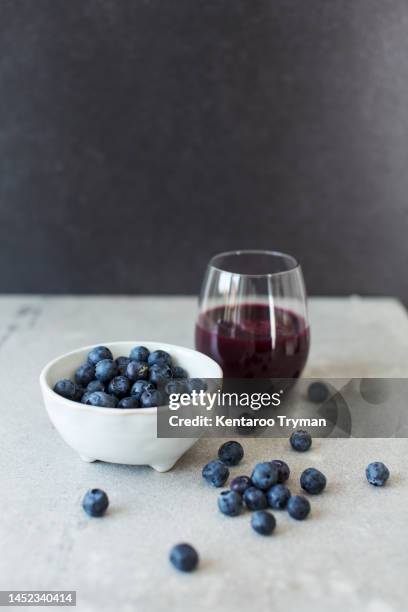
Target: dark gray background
(139, 138)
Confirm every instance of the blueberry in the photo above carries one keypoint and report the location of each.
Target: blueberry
(139, 353)
(255, 499)
(66, 388)
(300, 440)
(265, 475)
(313, 481)
(263, 522)
(119, 386)
(105, 370)
(151, 398)
(129, 402)
(99, 398)
(122, 363)
(230, 503)
(179, 372)
(137, 370)
(278, 496)
(283, 470)
(160, 374)
(298, 507)
(175, 386)
(86, 396)
(230, 453)
(377, 473)
(84, 374)
(159, 358)
(317, 392)
(98, 353)
(184, 557)
(215, 473)
(240, 484)
(95, 385)
(141, 385)
(196, 384)
(95, 502)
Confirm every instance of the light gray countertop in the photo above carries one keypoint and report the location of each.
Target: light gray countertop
(351, 554)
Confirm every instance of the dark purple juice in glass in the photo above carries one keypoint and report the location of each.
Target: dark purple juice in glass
(254, 340)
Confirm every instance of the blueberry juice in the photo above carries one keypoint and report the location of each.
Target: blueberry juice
(254, 340)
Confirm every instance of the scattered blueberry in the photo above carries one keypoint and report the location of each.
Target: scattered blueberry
(129, 402)
(66, 388)
(105, 370)
(139, 353)
(184, 557)
(265, 475)
(255, 499)
(95, 502)
(85, 397)
(151, 398)
(230, 453)
(317, 392)
(84, 374)
(137, 370)
(215, 473)
(377, 473)
(263, 522)
(95, 385)
(313, 481)
(196, 384)
(119, 386)
(300, 440)
(160, 374)
(179, 372)
(230, 503)
(283, 470)
(298, 507)
(159, 357)
(98, 354)
(278, 496)
(122, 363)
(175, 386)
(101, 399)
(240, 484)
(141, 385)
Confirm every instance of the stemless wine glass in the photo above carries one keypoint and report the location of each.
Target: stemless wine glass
(253, 315)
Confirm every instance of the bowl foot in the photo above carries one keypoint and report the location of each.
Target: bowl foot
(87, 459)
(163, 467)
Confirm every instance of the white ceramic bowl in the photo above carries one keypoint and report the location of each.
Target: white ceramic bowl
(119, 436)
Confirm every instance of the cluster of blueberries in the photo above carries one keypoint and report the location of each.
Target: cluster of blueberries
(265, 488)
(142, 380)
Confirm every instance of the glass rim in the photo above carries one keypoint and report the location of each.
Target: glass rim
(275, 254)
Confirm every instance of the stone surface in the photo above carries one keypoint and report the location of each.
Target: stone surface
(351, 553)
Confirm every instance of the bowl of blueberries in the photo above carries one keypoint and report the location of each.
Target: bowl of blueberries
(103, 400)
